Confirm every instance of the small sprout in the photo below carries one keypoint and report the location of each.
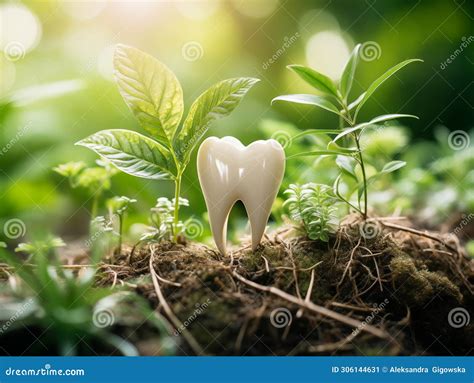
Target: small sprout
(95, 179)
(118, 206)
(3, 245)
(162, 220)
(314, 206)
(70, 169)
(44, 246)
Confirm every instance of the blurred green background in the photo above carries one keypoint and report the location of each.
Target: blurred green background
(56, 87)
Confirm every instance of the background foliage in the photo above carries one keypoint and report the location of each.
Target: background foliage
(204, 42)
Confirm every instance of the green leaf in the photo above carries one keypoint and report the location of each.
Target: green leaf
(356, 102)
(335, 147)
(392, 166)
(373, 122)
(132, 153)
(316, 132)
(309, 99)
(319, 153)
(150, 90)
(347, 165)
(317, 80)
(373, 87)
(216, 102)
(348, 73)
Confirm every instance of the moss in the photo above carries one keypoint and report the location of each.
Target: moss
(417, 288)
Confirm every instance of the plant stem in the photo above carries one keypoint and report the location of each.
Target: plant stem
(364, 176)
(95, 205)
(120, 234)
(352, 123)
(177, 191)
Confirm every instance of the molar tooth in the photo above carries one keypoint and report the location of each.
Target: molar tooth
(229, 171)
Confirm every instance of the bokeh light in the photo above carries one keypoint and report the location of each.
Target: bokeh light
(256, 9)
(327, 52)
(21, 30)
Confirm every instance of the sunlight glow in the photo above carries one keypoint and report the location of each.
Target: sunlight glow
(19, 26)
(327, 52)
(256, 9)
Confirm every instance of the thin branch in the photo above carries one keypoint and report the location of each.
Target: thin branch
(173, 318)
(313, 307)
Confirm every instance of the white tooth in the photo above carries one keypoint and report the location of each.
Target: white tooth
(229, 171)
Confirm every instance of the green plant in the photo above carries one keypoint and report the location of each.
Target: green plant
(67, 309)
(95, 180)
(118, 206)
(315, 207)
(45, 246)
(335, 99)
(154, 94)
(162, 220)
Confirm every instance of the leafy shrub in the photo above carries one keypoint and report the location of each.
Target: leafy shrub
(346, 143)
(314, 206)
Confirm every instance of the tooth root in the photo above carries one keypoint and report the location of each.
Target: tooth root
(218, 217)
(258, 215)
(229, 171)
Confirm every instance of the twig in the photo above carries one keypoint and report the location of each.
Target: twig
(267, 267)
(306, 269)
(308, 294)
(350, 307)
(420, 233)
(349, 263)
(173, 318)
(313, 307)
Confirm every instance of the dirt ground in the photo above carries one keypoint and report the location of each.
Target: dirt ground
(377, 288)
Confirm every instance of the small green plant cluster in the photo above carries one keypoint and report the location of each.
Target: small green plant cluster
(45, 246)
(155, 96)
(162, 222)
(118, 206)
(315, 207)
(66, 307)
(345, 143)
(95, 180)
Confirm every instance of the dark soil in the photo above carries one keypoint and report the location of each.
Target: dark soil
(390, 292)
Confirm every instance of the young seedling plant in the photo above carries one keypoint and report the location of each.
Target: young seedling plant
(346, 145)
(154, 95)
(96, 179)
